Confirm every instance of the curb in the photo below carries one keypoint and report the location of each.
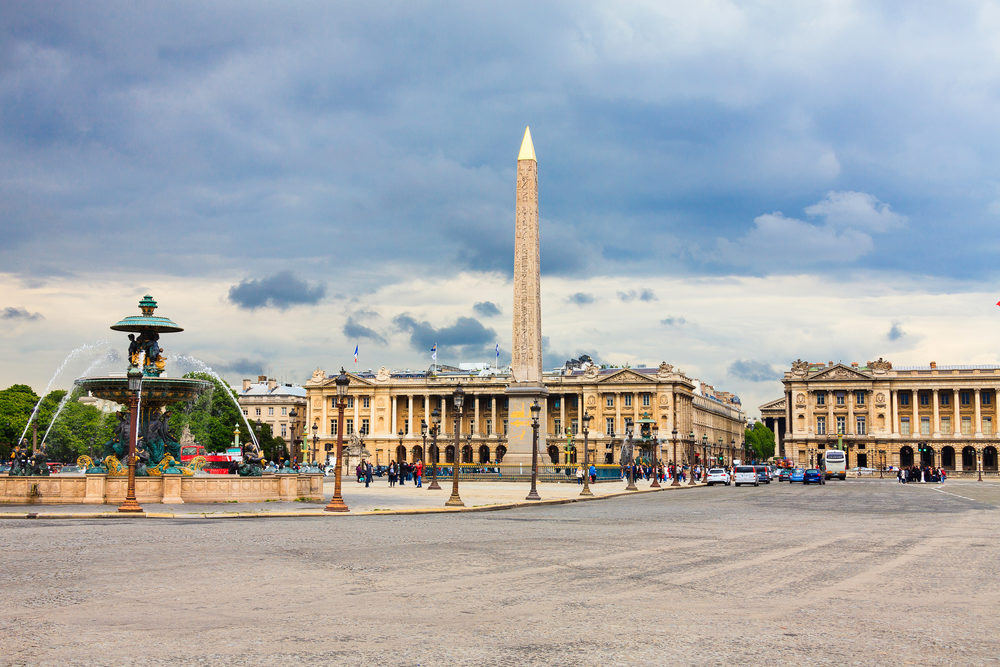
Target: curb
(320, 513)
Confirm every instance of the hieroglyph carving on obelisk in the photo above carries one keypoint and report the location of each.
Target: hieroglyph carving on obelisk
(526, 341)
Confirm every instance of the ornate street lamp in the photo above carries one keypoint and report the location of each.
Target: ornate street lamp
(533, 494)
(979, 459)
(458, 398)
(631, 477)
(401, 434)
(653, 451)
(676, 478)
(315, 430)
(435, 429)
(337, 503)
(134, 385)
(586, 456)
(293, 453)
(423, 445)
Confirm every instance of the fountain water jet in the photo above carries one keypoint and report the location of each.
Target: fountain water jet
(205, 368)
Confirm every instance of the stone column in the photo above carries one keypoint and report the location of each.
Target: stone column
(937, 416)
(497, 428)
(915, 418)
(526, 385)
(409, 415)
(392, 419)
(478, 429)
(977, 426)
(445, 424)
(562, 412)
(357, 414)
(956, 427)
(619, 425)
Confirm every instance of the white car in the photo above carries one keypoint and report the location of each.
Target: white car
(717, 476)
(746, 475)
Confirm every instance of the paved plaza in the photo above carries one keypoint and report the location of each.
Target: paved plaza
(859, 572)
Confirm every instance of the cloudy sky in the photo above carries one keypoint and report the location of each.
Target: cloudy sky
(724, 186)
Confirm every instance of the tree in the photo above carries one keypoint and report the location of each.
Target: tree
(16, 404)
(760, 440)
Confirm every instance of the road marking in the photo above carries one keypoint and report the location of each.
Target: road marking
(941, 489)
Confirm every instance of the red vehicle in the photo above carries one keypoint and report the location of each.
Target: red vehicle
(215, 464)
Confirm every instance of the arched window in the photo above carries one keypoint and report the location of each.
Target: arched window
(467, 454)
(449, 454)
(484, 454)
(905, 456)
(948, 457)
(990, 458)
(969, 458)
(501, 452)
(400, 454)
(418, 453)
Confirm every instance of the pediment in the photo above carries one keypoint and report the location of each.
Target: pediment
(625, 376)
(840, 372)
(355, 381)
(777, 404)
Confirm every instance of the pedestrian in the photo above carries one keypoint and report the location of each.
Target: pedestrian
(579, 475)
(368, 474)
(418, 471)
(359, 471)
(593, 474)
(392, 474)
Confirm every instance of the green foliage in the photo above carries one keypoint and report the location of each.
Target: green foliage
(760, 439)
(16, 403)
(212, 417)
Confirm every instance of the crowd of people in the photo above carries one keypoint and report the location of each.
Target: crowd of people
(400, 473)
(921, 474)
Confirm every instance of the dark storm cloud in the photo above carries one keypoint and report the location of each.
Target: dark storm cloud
(354, 330)
(486, 309)
(19, 313)
(245, 132)
(282, 291)
(754, 371)
(467, 335)
(896, 331)
(580, 298)
(242, 366)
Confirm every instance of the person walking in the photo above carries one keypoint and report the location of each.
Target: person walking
(418, 471)
(368, 474)
(579, 475)
(593, 474)
(392, 474)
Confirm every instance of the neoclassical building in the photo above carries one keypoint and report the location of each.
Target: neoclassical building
(281, 406)
(388, 408)
(934, 415)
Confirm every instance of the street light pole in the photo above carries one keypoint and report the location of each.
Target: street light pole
(533, 494)
(458, 397)
(435, 428)
(676, 478)
(979, 458)
(423, 443)
(131, 505)
(653, 451)
(691, 460)
(631, 464)
(293, 454)
(337, 503)
(586, 456)
(315, 442)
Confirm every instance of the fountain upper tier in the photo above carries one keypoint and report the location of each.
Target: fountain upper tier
(156, 391)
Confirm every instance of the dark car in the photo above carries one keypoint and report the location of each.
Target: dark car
(762, 474)
(813, 475)
(784, 474)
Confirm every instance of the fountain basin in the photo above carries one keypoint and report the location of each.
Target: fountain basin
(156, 391)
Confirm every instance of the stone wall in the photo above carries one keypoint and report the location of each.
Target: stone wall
(170, 489)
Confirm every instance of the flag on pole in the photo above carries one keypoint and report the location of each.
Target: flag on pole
(497, 365)
(434, 352)
(355, 354)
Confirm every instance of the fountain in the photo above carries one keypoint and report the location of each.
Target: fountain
(160, 475)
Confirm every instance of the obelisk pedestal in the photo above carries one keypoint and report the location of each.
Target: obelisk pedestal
(526, 384)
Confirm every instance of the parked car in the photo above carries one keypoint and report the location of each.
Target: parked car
(783, 474)
(814, 476)
(763, 474)
(718, 476)
(797, 475)
(746, 475)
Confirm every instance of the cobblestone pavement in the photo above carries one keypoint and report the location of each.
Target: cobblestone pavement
(857, 572)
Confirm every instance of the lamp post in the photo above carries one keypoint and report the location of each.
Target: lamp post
(400, 435)
(631, 464)
(293, 453)
(315, 430)
(134, 385)
(458, 398)
(691, 459)
(423, 441)
(533, 494)
(653, 451)
(881, 462)
(337, 503)
(979, 459)
(676, 478)
(435, 428)
(585, 420)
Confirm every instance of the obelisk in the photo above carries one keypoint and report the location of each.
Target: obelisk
(526, 384)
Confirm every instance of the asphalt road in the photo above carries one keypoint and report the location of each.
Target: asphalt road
(859, 572)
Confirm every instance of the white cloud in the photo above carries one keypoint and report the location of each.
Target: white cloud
(843, 231)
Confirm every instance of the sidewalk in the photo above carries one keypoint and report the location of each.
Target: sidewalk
(377, 499)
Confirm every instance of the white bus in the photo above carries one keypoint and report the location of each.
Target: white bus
(835, 463)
